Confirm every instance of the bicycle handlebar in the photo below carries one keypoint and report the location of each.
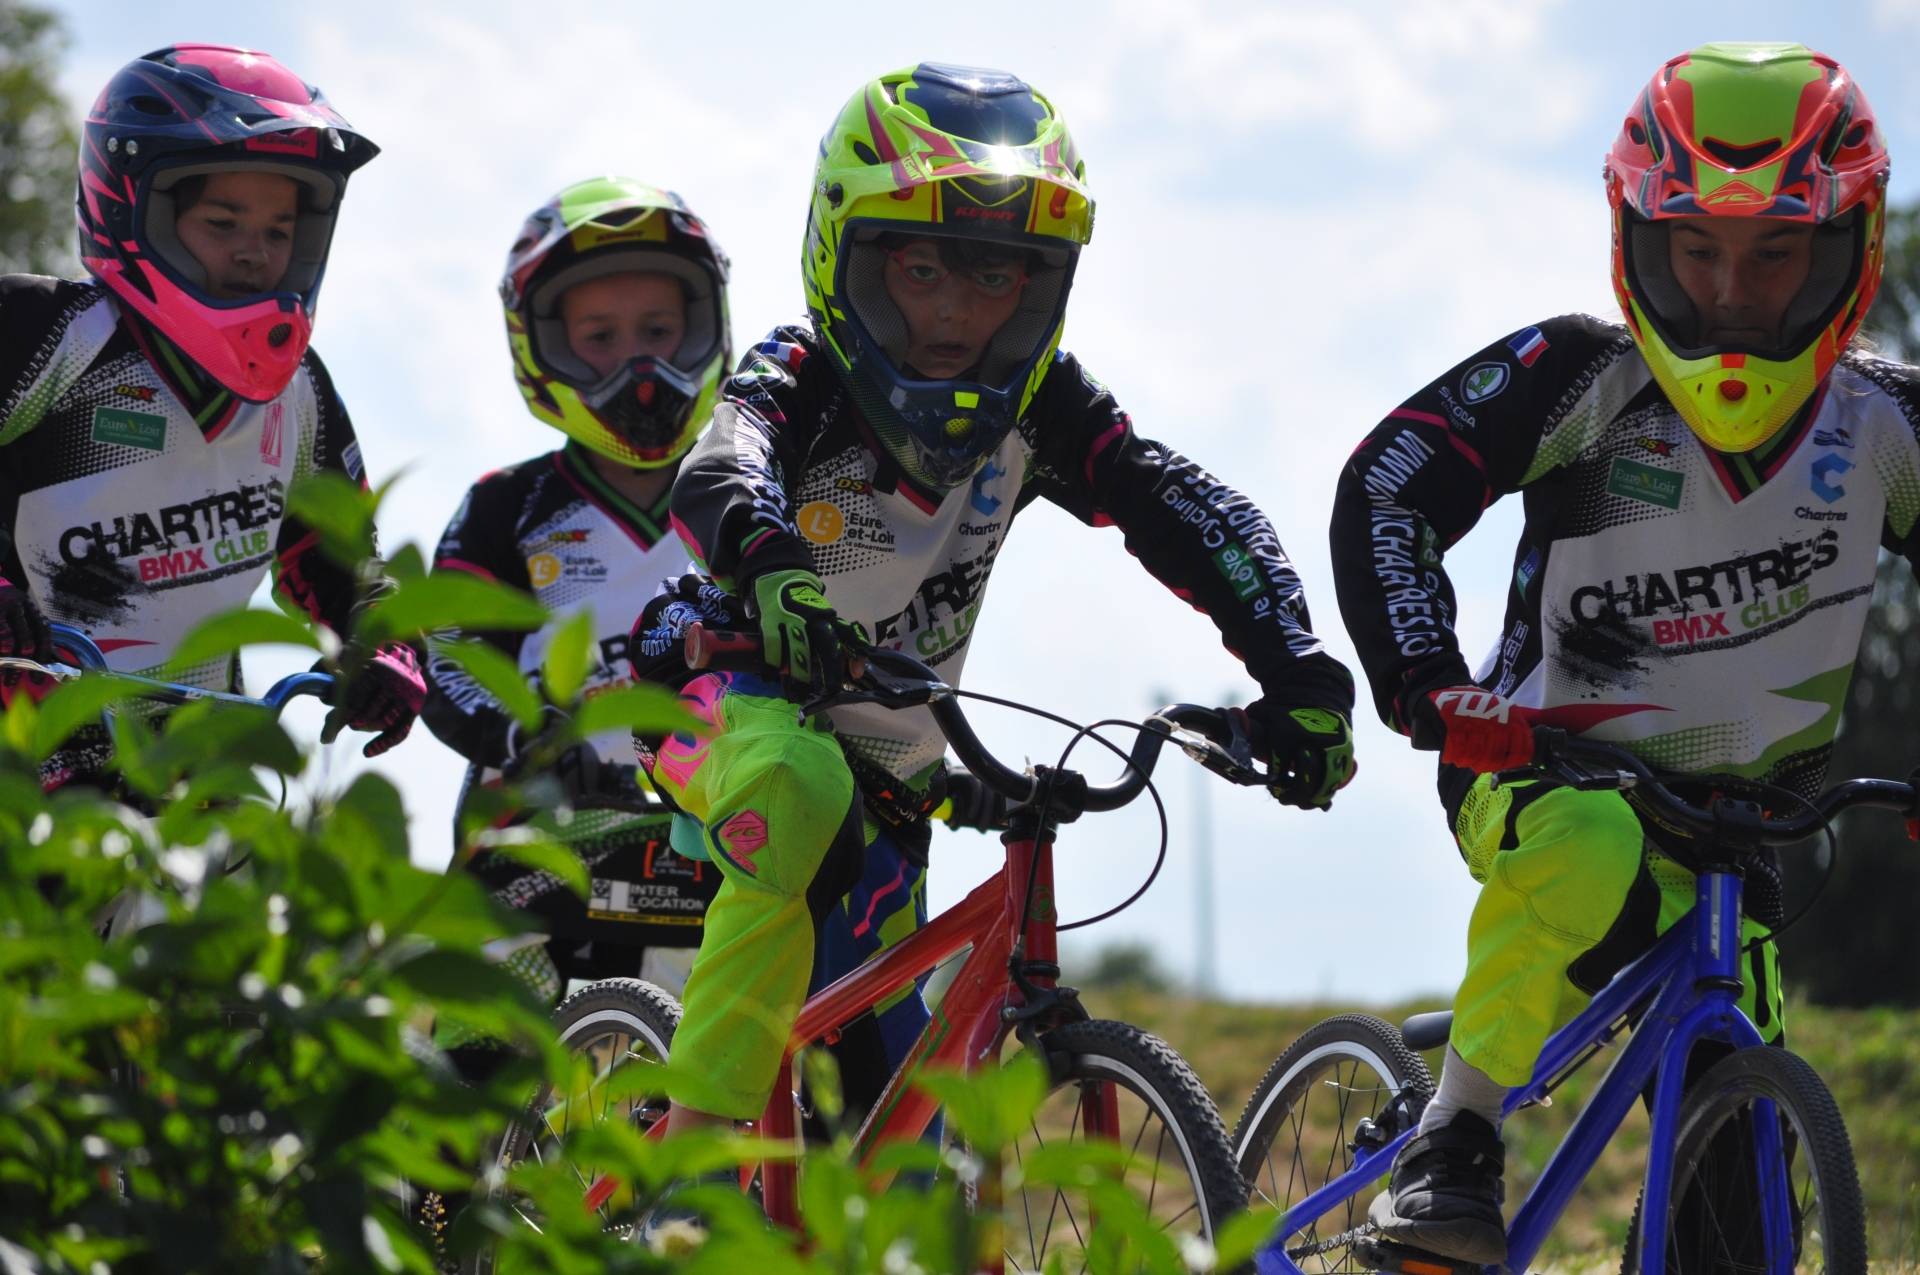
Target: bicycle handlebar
(1572, 759)
(895, 680)
(85, 656)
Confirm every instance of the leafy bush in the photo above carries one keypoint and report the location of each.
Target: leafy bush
(241, 1084)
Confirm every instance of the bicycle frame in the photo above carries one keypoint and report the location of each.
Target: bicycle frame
(967, 1027)
(1682, 991)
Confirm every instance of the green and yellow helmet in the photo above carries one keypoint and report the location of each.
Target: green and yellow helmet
(648, 411)
(1771, 131)
(949, 153)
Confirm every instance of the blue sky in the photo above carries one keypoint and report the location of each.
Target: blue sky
(1304, 213)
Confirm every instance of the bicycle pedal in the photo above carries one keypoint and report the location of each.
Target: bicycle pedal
(1376, 1254)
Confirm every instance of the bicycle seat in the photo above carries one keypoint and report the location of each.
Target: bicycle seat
(1427, 1031)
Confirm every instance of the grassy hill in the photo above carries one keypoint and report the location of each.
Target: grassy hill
(1870, 1059)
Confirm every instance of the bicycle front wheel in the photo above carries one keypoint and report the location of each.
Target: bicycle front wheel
(1761, 1166)
(612, 1024)
(1120, 1089)
(1303, 1124)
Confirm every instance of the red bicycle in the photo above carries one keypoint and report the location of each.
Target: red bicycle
(1109, 1080)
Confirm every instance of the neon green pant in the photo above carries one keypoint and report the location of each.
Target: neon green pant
(1570, 891)
(776, 803)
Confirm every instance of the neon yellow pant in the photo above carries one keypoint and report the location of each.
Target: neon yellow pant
(810, 889)
(1570, 892)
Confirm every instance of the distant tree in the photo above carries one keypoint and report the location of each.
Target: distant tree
(37, 140)
(1127, 965)
(1854, 947)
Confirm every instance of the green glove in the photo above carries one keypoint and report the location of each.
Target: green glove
(1311, 750)
(799, 630)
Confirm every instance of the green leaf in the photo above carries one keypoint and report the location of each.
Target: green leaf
(1243, 1234)
(340, 511)
(496, 673)
(371, 812)
(532, 850)
(569, 656)
(227, 632)
(651, 709)
(993, 1107)
(75, 704)
(448, 599)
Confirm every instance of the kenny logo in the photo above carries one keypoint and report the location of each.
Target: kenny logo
(1483, 705)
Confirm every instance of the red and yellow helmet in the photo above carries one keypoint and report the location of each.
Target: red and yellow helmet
(1747, 130)
(966, 156)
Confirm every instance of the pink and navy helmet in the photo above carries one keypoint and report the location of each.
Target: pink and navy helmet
(191, 110)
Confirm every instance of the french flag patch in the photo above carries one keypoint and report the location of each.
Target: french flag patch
(1527, 345)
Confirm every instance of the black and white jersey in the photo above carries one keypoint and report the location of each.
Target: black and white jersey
(790, 476)
(1702, 608)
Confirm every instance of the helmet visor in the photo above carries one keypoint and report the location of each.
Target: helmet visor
(700, 290)
(893, 279)
(1749, 322)
(235, 209)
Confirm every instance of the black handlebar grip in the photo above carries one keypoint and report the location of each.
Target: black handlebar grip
(722, 648)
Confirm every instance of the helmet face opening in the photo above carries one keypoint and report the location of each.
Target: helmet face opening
(951, 424)
(318, 207)
(1838, 250)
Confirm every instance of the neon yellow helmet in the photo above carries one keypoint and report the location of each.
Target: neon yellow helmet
(971, 159)
(647, 412)
(1770, 131)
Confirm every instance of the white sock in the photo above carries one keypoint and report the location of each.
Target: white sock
(1463, 1087)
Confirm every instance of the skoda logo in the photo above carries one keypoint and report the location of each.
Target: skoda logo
(1483, 381)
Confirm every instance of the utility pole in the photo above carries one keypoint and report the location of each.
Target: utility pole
(1205, 933)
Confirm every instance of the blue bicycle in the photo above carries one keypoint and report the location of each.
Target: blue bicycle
(1749, 1164)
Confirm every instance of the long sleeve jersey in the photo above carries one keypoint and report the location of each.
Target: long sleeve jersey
(136, 496)
(1704, 609)
(789, 476)
(553, 527)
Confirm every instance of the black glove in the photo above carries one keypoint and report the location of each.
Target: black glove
(1311, 750)
(655, 648)
(23, 630)
(971, 804)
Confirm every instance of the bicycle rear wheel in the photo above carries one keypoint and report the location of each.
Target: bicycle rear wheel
(1755, 1099)
(614, 1023)
(1115, 1083)
(1303, 1123)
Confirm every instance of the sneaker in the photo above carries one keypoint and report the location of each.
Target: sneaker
(1445, 1193)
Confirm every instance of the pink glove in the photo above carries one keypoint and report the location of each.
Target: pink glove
(385, 697)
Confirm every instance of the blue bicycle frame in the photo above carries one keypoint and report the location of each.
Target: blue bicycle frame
(86, 656)
(1682, 991)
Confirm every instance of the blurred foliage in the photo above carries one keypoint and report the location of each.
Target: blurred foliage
(38, 139)
(238, 1081)
(1853, 947)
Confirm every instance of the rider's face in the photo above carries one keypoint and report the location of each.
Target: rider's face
(951, 314)
(240, 230)
(1741, 273)
(619, 317)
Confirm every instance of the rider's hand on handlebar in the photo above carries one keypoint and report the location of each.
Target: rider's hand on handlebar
(1479, 730)
(800, 632)
(23, 630)
(970, 803)
(1311, 750)
(383, 694)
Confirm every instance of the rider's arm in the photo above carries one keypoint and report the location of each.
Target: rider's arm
(1199, 537)
(1496, 422)
(303, 575)
(730, 501)
(479, 540)
(1900, 531)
